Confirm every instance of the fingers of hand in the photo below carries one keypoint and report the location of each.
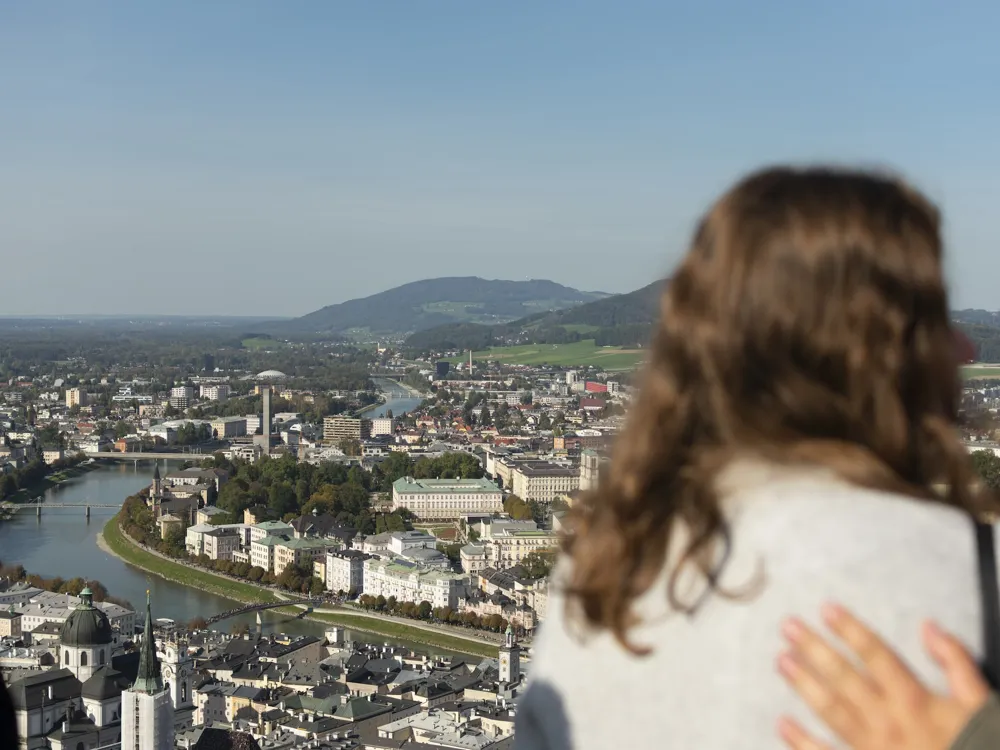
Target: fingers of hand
(798, 738)
(838, 713)
(964, 679)
(840, 677)
(885, 669)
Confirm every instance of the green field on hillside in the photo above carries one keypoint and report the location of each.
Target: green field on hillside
(257, 343)
(981, 372)
(577, 354)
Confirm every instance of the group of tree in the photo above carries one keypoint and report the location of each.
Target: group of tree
(426, 611)
(15, 572)
(137, 522)
(34, 472)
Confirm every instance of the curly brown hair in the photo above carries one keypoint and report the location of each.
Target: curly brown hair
(808, 323)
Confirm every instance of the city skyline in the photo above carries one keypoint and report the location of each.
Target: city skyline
(310, 157)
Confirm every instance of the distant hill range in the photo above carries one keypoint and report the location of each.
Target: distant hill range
(618, 320)
(434, 302)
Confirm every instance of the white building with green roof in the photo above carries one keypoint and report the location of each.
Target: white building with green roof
(445, 499)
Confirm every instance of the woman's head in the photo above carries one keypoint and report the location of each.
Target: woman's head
(808, 322)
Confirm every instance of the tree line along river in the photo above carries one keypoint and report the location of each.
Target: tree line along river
(63, 542)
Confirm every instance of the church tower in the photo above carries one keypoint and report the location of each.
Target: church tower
(147, 711)
(177, 667)
(510, 658)
(156, 493)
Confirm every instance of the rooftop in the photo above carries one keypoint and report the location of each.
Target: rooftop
(411, 486)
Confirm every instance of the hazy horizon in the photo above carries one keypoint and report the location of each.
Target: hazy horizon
(254, 159)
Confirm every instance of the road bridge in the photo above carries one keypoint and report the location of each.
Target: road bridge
(12, 508)
(150, 456)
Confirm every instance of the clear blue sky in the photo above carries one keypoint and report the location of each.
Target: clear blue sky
(272, 157)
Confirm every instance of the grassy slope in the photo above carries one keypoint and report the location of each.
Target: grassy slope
(981, 372)
(244, 592)
(578, 353)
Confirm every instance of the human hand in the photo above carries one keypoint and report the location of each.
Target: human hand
(880, 705)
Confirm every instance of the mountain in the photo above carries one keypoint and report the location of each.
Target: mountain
(621, 319)
(433, 302)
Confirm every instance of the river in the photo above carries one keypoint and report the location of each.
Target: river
(63, 542)
(398, 398)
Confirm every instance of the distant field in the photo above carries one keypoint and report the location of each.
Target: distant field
(579, 353)
(981, 372)
(256, 344)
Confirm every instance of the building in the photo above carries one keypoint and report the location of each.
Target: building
(215, 392)
(147, 710)
(543, 481)
(38, 607)
(266, 420)
(181, 396)
(409, 582)
(508, 546)
(382, 426)
(262, 552)
(590, 465)
(473, 558)
(336, 429)
(10, 624)
(300, 552)
(85, 639)
(225, 428)
(446, 498)
(75, 397)
(345, 571)
(510, 659)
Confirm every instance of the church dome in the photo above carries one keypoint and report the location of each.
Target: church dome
(86, 625)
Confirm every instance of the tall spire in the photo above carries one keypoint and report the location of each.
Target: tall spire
(148, 679)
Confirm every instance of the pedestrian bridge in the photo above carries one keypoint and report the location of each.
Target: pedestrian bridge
(309, 603)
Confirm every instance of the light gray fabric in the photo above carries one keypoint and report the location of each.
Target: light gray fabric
(710, 682)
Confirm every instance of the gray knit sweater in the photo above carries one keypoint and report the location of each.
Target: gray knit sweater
(710, 682)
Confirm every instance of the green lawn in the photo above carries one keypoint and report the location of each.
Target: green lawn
(257, 343)
(579, 353)
(407, 633)
(981, 372)
(183, 574)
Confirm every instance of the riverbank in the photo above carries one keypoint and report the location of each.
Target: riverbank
(29, 493)
(115, 542)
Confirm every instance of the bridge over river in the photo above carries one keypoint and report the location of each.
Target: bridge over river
(309, 604)
(9, 509)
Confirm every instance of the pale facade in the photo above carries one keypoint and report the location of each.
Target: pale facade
(345, 571)
(411, 583)
(543, 481)
(446, 498)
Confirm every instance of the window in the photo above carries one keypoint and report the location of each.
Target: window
(83, 658)
(102, 656)
(66, 657)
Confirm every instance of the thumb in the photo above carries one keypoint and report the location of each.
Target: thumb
(965, 682)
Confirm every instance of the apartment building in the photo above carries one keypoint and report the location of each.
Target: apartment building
(409, 582)
(215, 392)
(336, 429)
(221, 543)
(75, 397)
(46, 606)
(181, 396)
(262, 552)
(382, 426)
(229, 427)
(508, 547)
(301, 552)
(345, 571)
(446, 498)
(543, 481)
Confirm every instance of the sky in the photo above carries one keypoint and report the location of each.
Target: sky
(266, 158)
